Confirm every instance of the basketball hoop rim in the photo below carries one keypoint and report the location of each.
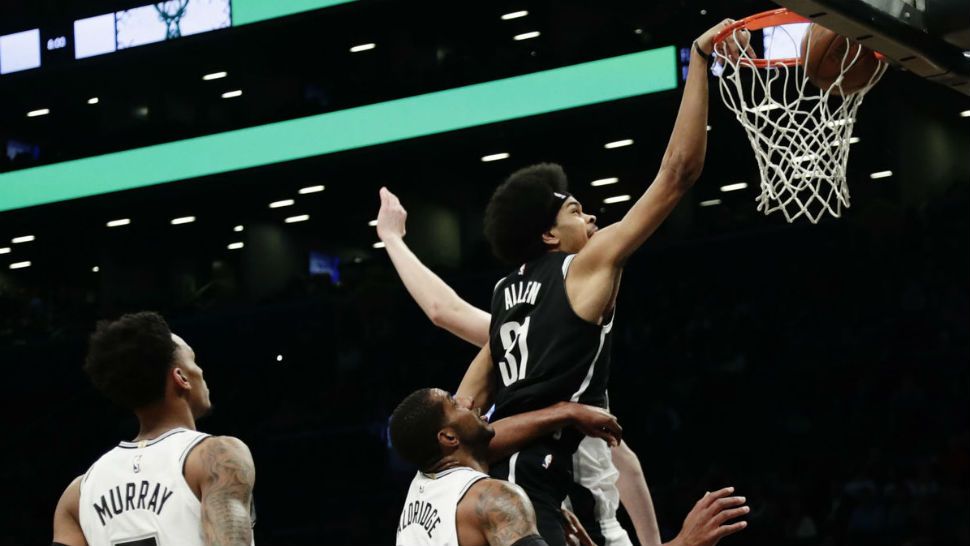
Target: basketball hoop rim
(759, 21)
(765, 19)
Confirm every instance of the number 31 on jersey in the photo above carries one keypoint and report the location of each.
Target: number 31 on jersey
(512, 367)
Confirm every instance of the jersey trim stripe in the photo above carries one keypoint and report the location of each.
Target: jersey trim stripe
(471, 482)
(514, 459)
(566, 263)
(592, 366)
(188, 448)
(136, 445)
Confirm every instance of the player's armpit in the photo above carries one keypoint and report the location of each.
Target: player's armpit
(478, 384)
(67, 528)
(504, 513)
(228, 477)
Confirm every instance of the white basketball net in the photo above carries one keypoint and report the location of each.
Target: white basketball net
(800, 134)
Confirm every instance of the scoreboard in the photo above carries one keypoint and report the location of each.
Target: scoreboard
(110, 32)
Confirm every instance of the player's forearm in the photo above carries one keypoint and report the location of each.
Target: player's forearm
(687, 147)
(440, 302)
(635, 495)
(515, 432)
(478, 383)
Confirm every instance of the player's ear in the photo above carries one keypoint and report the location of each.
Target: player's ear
(448, 437)
(551, 237)
(181, 380)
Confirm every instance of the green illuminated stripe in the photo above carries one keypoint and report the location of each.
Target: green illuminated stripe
(495, 101)
(252, 11)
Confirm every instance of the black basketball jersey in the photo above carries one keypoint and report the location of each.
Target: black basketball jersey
(542, 351)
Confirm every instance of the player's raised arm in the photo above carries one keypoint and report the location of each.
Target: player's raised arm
(438, 300)
(67, 527)
(224, 471)
(680, 167)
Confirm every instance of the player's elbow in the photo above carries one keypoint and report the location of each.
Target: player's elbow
(437, 314)
(683, 169)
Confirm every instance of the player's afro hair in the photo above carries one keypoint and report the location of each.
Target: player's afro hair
(129, 358)
(522, 209)
(414, 428)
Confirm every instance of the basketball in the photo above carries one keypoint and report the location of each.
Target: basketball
(823, 54)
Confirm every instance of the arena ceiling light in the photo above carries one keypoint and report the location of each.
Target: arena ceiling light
(5, 250)
(311, 189)
(378, 244)
(616, 199)
(880, 174)
(119, 222)
(95, 269)
(514, 15)
(526, 36)
(372, 223)
(38, 113)
(710, 202)
(618, 143)
(183, 220)
(235, 246)
(19, 265)
(281, 204)
(362, 47)
(238, 228)
(297, 218)
(232, 94)
(23, 239)
(965, 114)
(604, 182)
(734, 187)
(495, 157)
(94, 100)
(215, 76)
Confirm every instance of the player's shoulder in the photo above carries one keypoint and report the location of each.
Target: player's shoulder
(489, 496)
(217, 455)
(71, 497)
(215, 447)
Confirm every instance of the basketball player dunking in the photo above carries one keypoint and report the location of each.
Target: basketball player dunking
(453, 501)
(171, 485)
(550, 325)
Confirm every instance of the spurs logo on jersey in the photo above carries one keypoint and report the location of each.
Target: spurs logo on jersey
(428, 517)
(136, 493)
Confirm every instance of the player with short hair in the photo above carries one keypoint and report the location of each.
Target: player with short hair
(453, 501)
(171, 484)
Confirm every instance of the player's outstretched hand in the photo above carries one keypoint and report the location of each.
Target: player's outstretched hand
(391, 218)
(730, 47)
(597, 422)
(576, 534)
(707, 522)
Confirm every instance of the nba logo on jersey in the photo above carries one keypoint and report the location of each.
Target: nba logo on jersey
(522, 270)
(547, 461)
(136, 464)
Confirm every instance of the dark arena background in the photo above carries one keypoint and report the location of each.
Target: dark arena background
(821, 369)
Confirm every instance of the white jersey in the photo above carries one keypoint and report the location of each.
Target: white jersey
(136, 494)
(429, 515)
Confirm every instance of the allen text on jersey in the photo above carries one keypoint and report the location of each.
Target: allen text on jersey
(521, 292)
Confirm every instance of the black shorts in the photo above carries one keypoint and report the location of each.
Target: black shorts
(544, 471)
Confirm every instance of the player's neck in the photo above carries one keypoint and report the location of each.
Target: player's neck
(460, 459)
(157, 419)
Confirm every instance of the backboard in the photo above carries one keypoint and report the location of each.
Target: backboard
(930, 38)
